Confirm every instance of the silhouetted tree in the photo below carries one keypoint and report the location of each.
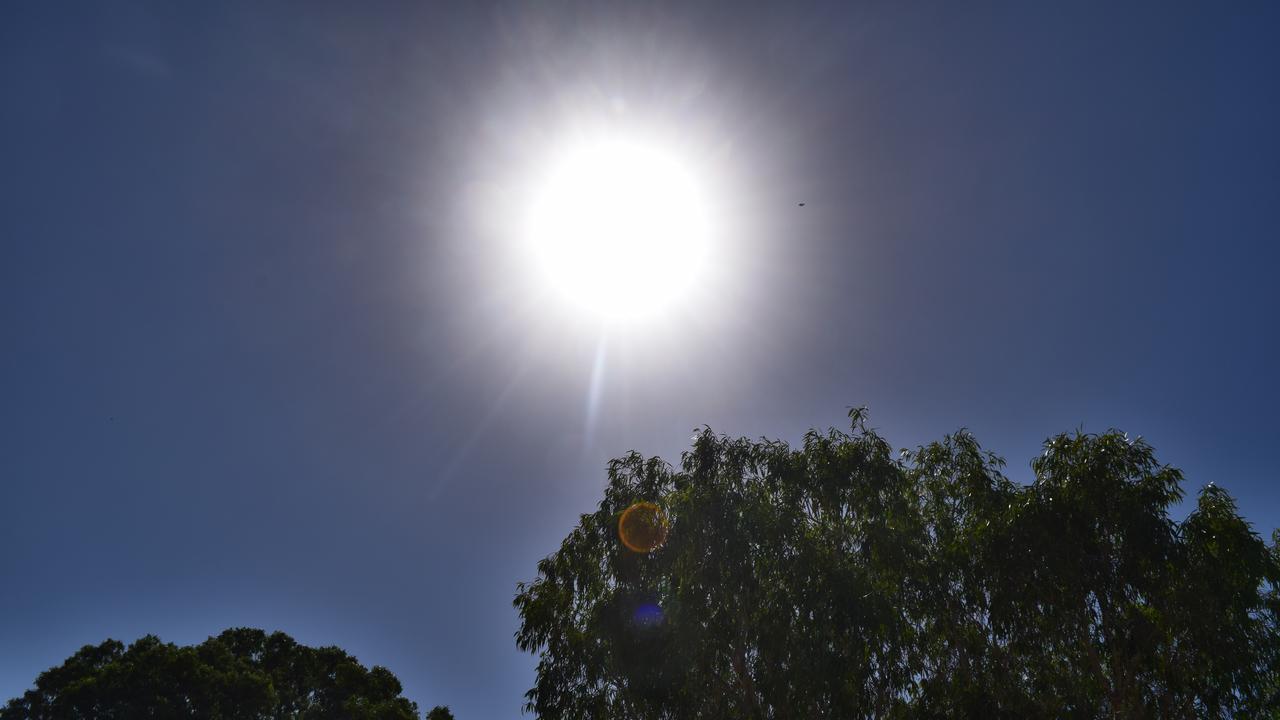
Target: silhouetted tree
(242, 673)
(440, 712)
(844, 580)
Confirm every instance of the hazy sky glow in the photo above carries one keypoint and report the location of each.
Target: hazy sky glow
(275, 354)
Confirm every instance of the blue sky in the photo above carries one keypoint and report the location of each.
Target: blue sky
(268, 360)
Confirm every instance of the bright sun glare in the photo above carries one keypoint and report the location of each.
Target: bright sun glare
(619, 229)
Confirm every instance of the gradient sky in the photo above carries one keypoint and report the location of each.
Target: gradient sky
(267, 359)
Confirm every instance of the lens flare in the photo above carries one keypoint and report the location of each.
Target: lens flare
(643, 527)
(648, 615)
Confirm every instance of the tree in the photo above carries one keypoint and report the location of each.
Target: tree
(844, 580)
(242, 673)
(440, 712)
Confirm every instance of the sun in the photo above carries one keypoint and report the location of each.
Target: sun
(619, 229)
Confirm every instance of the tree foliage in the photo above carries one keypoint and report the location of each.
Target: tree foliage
(242, 673)
(844, 580)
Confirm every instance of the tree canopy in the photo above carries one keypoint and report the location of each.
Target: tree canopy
(240, 674)
(842, 579)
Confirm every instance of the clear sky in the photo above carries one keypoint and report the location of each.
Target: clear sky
(268, 358)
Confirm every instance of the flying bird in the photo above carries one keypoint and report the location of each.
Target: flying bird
(801, 204)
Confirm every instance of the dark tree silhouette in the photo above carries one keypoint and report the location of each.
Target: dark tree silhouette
(242, 673)
(440, 712)
(844, 580)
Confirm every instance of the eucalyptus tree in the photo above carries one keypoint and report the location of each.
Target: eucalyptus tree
(842, 579)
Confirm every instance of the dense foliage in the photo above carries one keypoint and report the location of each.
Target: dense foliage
(240, 674)
(844, 580)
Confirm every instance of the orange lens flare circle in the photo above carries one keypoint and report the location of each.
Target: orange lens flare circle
(643, 527)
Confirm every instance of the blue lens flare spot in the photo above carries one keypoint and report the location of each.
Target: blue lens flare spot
(648, 615)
